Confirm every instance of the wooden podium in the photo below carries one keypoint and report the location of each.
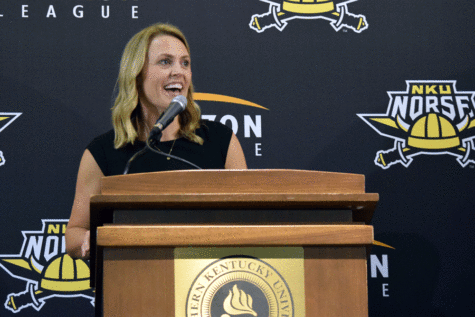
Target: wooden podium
(141, 219)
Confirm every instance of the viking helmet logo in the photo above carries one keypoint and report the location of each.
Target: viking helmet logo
(336, 12)
(46, 268)
(429, 118)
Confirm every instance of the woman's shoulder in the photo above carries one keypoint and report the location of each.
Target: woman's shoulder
(105, 143)
(111, 160)
(104, 139)
(216, 137)
(214, 128)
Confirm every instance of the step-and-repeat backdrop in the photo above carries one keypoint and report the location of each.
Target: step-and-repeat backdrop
(380, 88)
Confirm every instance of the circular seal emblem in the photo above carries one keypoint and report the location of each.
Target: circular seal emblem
(239, 286)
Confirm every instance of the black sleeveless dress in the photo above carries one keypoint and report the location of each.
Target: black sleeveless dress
(211, 155)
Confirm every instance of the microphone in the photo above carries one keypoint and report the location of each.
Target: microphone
(177, 105)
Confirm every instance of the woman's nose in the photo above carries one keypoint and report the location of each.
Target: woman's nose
(177, 69)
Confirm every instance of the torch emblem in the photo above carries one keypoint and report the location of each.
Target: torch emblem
(336, 12)
(238, 303)
(240, 286)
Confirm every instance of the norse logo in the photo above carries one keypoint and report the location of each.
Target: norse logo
(46, 268)
(429, 118)
(239, 285)
(336, 12)
(6, 118)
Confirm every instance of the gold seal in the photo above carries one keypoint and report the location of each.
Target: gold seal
(239, 286)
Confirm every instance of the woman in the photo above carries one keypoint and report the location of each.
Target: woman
(155, 68)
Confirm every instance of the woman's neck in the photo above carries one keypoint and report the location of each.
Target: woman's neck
(147, 119)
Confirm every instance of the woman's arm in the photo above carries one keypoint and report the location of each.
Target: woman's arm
(235, 158)
(88, 184)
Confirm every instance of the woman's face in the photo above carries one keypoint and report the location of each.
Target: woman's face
(166, 73)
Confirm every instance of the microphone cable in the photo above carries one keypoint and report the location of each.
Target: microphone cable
(129, 162)
(150, 145)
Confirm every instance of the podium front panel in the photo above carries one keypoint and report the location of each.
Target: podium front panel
(209, 282)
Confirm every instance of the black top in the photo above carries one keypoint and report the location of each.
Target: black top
(211, 155)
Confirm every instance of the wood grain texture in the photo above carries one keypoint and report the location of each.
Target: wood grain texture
(234, 181)
(221, 235)
(138, 262)
(139, 282)
(336, 281)
(363, 205)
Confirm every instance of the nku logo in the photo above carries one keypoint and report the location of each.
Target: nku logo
(336, 12)
(429, 118)
(46, 268)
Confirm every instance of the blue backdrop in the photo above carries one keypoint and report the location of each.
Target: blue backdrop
(326, 77)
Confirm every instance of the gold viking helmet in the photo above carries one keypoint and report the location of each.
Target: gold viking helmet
(433, 132)
(65, 274)
(308, 6)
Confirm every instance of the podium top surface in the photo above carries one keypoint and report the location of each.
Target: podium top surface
(267, 181)
(266, 189)
(238, 189)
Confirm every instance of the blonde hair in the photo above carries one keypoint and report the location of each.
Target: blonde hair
(127, 100)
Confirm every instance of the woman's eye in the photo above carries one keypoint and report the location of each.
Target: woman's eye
(186, 63)
(164, 62)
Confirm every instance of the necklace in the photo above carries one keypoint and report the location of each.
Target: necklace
(171, 149)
